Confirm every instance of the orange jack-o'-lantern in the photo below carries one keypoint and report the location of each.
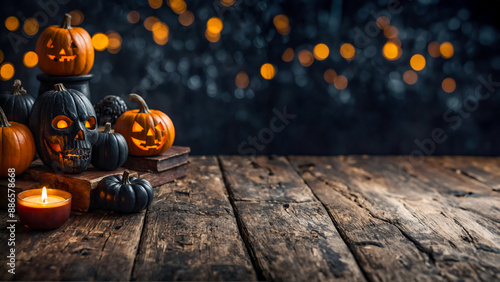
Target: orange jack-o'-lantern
(65, 50)
(148, 132)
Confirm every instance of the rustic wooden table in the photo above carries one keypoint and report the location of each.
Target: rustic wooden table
(287, 218)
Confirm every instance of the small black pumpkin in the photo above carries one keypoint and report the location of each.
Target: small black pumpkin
(124, 193)
(63, 123)
(17, 104)
(110, 109)
(111, 150)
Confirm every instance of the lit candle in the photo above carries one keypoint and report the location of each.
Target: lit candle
(43, 208)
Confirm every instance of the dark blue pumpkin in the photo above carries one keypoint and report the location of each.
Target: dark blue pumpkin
(111, 150)
(17, 104)
(124, 193)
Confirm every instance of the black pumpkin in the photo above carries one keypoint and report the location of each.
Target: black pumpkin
(110, 109)
(111, 150)
(17, 104)
(63, 123)
(123, 193)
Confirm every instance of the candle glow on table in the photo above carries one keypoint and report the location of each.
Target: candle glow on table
(43, 208)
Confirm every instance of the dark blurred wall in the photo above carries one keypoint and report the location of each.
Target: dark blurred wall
(193, 80)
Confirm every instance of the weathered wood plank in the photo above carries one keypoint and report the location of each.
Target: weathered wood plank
(93, 246)
(160, 178)
(191, 231)
(410, 220)
(288, 231)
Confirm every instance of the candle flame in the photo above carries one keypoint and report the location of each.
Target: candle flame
(44, 195)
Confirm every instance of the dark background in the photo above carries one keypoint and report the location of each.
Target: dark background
(193, 80)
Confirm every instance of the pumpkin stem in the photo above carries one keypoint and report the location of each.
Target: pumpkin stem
(143, 107)
(59, 87)
(125, 179)
(17, 89)
(107, 127)
(66, 23)
(3, 119)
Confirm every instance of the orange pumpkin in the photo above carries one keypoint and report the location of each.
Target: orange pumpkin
(17, 146)
(65, 50)
(148, 132)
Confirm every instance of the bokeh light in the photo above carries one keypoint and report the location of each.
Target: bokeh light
(347, 51)
(391, 51)
(133, 17)
(391, 32)
(100, 41)
(282, 24)
(321, 51)
(178, 6)
(329, 76)
(214, 25)
(449, 85)
(76, 17)
(115, 42)
(12, 23)
(160, 33)
(288, 55)
(212, 37)
(340, 82)
(30, 59)
(150, 21)
(186, 18)
(383, 22)
(305, 58)
(267, 71)
(410, 77)
(227, 3)
(417, 62)
(30, 26)
(7, 71)
(446, 49)
(242, 80)
(155, 4)
(433, 49)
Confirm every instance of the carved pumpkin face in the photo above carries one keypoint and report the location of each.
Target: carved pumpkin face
(65, 128)
(146, 137)
(147, 132)
(65, 50)
(64, 54)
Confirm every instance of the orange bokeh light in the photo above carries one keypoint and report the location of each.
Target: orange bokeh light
(410, 77)
(449, 85)
(305, 58)
(347, 51)
(288, 55)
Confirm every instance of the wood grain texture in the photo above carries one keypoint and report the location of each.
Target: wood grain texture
(92, 246)
(173, 157)
(288, 231)
(160, 178)
(191, 231)
(403, 220)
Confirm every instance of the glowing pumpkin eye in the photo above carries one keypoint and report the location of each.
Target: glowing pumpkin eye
(50, 44)
(137, 127)
(159, 126)
(90, 123)
(61, 122)
(72, 44)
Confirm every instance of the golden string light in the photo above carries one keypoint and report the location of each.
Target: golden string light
(100, 41)
(7, 71)
(30, 59)
(321, 51)
(347, 51)
(417, 62)
(12, 23)
(305, 58)
(186, 18)
(242, 80)
(446, 49)
(267, 71)
(288, 55)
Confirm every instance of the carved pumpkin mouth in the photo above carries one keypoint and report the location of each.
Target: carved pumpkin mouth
(61, 58)
(72, 154)
(142, 144)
